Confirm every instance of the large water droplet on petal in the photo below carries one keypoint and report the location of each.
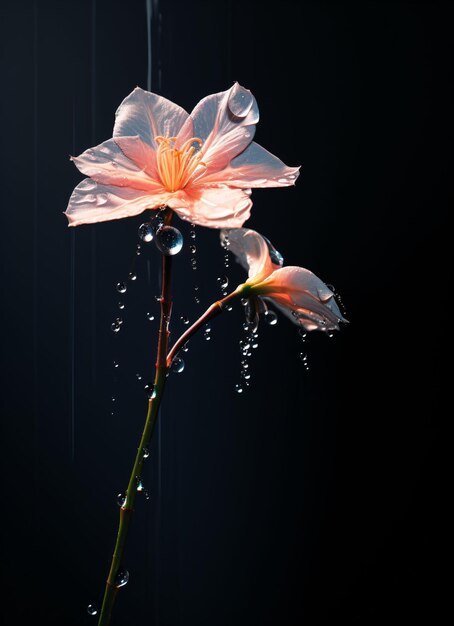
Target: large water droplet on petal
(240, 101)
(146, 232)
(122, 578)
(169, 240)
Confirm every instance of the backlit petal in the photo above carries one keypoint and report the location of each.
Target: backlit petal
(139, 153)
(216, 207)
(255, 167)
(91, 202)
(251, 251)
(148, 115)
(225, 122)
(108, 165)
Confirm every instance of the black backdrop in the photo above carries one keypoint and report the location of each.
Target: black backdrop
(316, 497)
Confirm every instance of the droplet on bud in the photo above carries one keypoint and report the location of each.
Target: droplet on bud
(169, 240)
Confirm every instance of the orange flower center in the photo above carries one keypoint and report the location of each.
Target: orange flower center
(175, 167)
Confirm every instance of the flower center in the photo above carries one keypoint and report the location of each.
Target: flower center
(175, 167)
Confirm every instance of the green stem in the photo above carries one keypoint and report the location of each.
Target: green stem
(127, 508)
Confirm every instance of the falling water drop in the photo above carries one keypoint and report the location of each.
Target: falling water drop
(302, 333)
(146, 453)
(169, 240)
(146, 232)
(238, 388)
(184, 319)
(122, 578)
(140, 486)
(150, 317)
(139, 377)
(271, 318)
(138, 249)
(121, 305)
(177, 365)
(132, 276)
(116, 364)
(92, 609)
(223, 282)
(207, 333)
(115, 326)
(303, 357)
(193, 249)
(121, 287)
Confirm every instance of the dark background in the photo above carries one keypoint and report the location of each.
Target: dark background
(316, 497)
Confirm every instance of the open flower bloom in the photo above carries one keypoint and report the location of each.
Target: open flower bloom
(297, 292)
(201, 165)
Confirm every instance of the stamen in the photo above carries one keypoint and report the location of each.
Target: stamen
(176, 166)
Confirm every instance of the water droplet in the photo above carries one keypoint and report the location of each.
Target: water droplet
(330, 335)
(146, 232)
(169, 240)
(223, 282)
(238, 388)
(116, 364)
(177, 365)
(158, 298)
(244, 301)
(303, 357)
(121, 287)
(185, 348)
(122, 578)
(121, 305)
(245, 374)
(121, 499)
(275, 256)
(92, 609)
(255, 345)
(229, 307)
(150, 317)
(150, 391)
(271, 317)
(302, 333)
(115, 326)
(139, 377)
(207, 333)
(192, 234)
(193, 249)
(184, 319)
(132, 276)
(139, 485)
(146, 453)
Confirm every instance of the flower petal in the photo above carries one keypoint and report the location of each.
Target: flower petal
(108, 165)
(255, 167)
(216, 207)
(303, 293)
(91, 202)
(251, 251)
(139, 153)
(148, 115)
(225, 122)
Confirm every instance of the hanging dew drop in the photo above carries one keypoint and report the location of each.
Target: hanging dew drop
(177, 365)
(121, 287)
(139, 485)
(150, 391)
(146, 232)
(122, 578)
(271, 318)
(169, 240)
(92, 609)
(121, 499)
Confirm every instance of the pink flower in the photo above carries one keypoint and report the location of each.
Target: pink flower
(201, 165)
(297, 292)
